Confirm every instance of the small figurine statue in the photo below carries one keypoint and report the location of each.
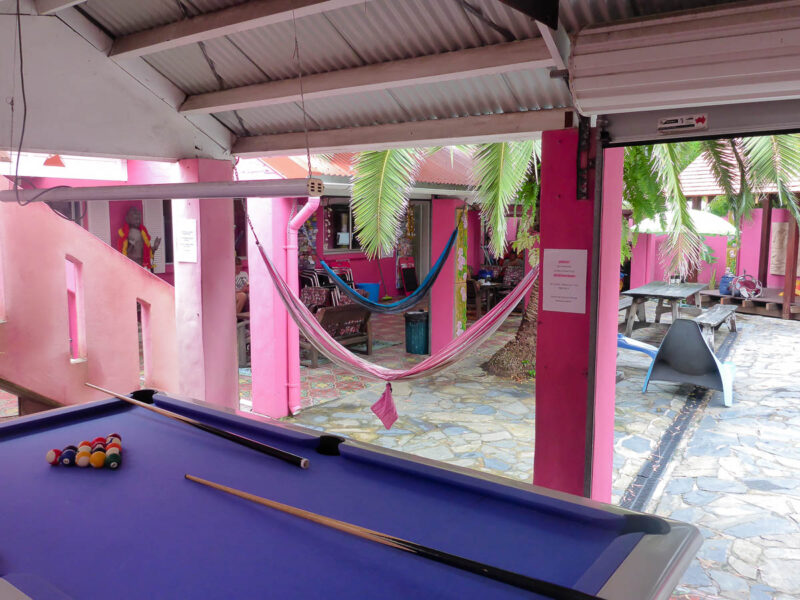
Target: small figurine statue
(134, 240)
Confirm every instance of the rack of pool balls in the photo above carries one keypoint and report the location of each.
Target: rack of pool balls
(100, 452)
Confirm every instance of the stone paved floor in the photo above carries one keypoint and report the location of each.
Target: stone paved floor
(737, 473)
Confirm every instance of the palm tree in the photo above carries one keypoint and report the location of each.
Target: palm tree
(744, 169)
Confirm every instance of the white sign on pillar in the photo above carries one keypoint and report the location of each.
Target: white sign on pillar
(564, 280)
(186, 241)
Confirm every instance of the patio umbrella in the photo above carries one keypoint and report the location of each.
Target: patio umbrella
(704, 222)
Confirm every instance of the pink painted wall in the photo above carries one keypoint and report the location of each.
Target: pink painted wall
(364, 270)
(562, 349)
(751, 244)
(646, 265)
(34, 348)
(204, 293)
(442, 313)
(607, 311)
(268, 316)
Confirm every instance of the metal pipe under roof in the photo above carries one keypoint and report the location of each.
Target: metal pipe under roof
(274, 188)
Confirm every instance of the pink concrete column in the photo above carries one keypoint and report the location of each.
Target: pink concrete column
(607, 318)
(442, 314)
(205, 305)
(268, 317)
(563, 403)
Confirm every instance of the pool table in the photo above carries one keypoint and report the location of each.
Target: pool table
(144, 531)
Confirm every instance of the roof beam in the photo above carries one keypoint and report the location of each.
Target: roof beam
(558, 44)
(49, 7)
(499, 58)
(227, 21)
(436, 132)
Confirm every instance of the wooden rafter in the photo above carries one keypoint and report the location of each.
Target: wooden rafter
(227, 21)
(499, 58)
(508, 126)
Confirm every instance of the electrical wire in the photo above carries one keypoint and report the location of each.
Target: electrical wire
(24, 105)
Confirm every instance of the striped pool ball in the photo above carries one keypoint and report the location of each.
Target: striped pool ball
(117, 436)
(82, 458)
(53, 456)
(98, 440)
(112, 445)
(85, 447)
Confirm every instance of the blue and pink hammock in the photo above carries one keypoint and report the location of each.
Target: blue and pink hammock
(453, 352)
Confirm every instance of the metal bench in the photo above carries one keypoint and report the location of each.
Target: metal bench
(711, 320)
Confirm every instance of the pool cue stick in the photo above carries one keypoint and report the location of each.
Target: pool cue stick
(551, 590)
(294, 459)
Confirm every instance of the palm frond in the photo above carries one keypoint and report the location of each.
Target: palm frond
(722, 162)
(382, 182)
(500, 171)
(683, 247)
(774, 164)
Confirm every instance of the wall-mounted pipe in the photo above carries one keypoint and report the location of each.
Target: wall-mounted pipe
(292, 333)
(273, 188)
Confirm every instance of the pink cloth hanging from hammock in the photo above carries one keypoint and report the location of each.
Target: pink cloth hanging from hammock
(455, 351)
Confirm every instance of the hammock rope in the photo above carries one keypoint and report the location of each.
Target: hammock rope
(453, 352)
(403, 304)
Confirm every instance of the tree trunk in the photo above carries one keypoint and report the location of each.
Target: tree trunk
(517, 359)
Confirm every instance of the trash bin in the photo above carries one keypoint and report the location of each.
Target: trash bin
(417, 332)
(373, 290)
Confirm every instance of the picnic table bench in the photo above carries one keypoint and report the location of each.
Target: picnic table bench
(711, 320)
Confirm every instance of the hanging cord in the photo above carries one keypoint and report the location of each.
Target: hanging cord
(302, 96)
(24, 106)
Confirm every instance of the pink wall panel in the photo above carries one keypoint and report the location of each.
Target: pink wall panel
(751, 243)
(474, 250)
(442, 312)
(34, 348)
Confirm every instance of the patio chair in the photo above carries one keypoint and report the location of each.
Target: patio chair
(684, 357)
(631, 344)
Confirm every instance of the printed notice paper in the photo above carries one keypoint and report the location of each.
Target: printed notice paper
(186, 244)
(564, 280)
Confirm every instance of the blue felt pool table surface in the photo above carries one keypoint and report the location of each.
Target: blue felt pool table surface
(144, 531)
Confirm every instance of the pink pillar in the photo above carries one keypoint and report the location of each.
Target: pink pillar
(204, 292)
(567, 415)
(268, 317)
(442, 315)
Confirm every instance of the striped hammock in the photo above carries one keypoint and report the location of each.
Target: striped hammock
(458, 349)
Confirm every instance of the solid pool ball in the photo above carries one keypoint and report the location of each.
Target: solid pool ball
(113, 461)
(68, 456)
(98, 459)
(53, 456)
(82, 458)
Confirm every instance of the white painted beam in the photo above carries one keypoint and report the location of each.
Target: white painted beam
(557, 42)
(250, 15)
(483, 128)
(499, 58)
(49, 7)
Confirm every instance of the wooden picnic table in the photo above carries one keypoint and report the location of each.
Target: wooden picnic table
(661, 291)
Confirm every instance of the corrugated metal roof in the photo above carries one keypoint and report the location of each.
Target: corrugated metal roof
(698, 180)
(121, 17)
(577, 14)
(441, 168)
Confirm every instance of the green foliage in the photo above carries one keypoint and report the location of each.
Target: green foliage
(500, 170)
(774, 162)
(681, 251)
(720, 206)
(382, 182)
